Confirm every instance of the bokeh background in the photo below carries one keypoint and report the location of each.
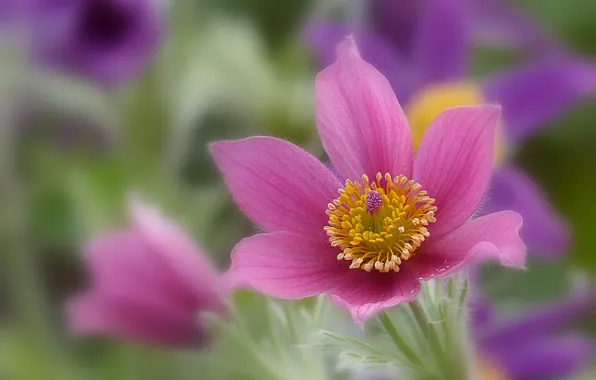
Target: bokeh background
(78, 138)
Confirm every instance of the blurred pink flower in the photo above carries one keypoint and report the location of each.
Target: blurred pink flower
(398, 219)
(149, 283)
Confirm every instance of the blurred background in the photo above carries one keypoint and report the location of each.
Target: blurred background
(103, 98)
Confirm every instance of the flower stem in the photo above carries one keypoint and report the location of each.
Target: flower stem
(399, 341)
(28, 304)
(443, 360)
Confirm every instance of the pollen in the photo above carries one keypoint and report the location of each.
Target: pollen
(379, 224)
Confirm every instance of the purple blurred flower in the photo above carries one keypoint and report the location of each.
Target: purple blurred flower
(7, 11)
(149, 283)
(511, 189)
(532, 346)
(422, 45)
(109, 41)
(494, 22)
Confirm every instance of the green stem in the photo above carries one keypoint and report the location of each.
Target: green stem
(431, 334)
(398, 340)
(320, 310)
(462, 325)
(32, 328)
(244, 340)
(463, 297)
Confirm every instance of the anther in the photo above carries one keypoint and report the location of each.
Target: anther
(380, 224)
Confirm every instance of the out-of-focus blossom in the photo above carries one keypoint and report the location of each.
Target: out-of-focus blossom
(497, 23)
(148, 283)
(8, 8)
(489, 22)
(422, 47)
(512, 189)
(370, 242)
(531, 346)
(109, 41)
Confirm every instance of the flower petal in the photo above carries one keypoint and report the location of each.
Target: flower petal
(323, 37)
(454, 162)
(121, 263)
(276, 184)
(546, 358)
(364, 294)
(124, 265)
(290, 266)
(285, 265)
(541, 321)
(131, 318)
(441, 42)
(537, 93)
(396, 20)
(186, 264)
(482, 312)
(187, 261)
(493, 236)
(543, 231)
(362, 126)
(496, 22)
(62, 36)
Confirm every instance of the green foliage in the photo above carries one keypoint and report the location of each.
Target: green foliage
(423, 339)
(230, 69)
(277, 21)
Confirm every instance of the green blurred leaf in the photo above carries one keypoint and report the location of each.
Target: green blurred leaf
(562, 160)
(571, 22)
(278, 21)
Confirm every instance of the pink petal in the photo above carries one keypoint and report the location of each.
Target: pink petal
(433, 261)
(291, 266)
(285, 265)
(177, 252)
(455, 161)
(155, 258)
(365, 294)
(121, 263)
(101, 314)
(362, 126)
(277, 184)
(494, 236)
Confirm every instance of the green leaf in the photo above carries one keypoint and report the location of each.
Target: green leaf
(277, 21)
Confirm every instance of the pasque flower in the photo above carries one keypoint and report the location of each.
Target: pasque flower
(397, 219)
(109, 41)
(533, 345)
(422, 47)
(148, 283)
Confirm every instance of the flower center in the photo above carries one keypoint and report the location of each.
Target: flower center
(105, 23)
(379, 224)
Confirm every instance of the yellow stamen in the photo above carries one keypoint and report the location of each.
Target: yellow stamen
(379, 224)
(427, 104)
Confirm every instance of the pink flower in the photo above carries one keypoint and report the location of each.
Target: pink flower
(149, 283)
(398, 219)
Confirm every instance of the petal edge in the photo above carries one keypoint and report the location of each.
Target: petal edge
(360, 121)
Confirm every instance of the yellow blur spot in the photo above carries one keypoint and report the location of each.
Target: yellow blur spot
(489, 370)
(427, 104)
